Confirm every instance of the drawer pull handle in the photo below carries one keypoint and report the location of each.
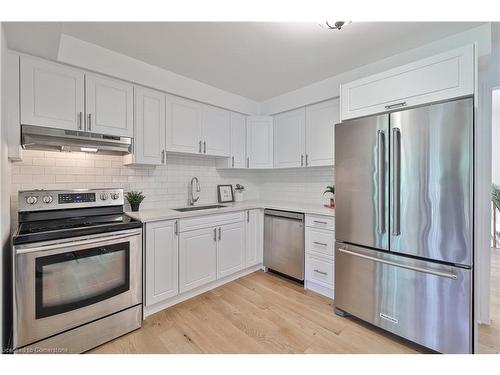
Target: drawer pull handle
(320, 243)
(397, 105)
(321, 272)
(320, 222)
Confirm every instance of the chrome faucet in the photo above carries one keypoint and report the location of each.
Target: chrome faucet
(192, 188)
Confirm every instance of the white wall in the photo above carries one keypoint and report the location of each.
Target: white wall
(495, 137)
(330, 87)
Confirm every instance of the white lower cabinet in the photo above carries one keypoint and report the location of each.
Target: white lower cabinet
(162, 258)
(230, 249)
(319, 254)
(198, 258)
(254, 227)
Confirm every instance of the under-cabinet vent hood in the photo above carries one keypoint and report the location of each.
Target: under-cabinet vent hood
(49, 139)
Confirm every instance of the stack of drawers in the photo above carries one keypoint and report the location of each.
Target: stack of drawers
(319, 248)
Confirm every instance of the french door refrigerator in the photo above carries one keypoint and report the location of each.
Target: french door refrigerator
(404, 223)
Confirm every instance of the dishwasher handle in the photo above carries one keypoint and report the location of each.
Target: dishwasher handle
(285, 214)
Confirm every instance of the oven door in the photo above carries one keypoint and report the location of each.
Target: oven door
(62, 284)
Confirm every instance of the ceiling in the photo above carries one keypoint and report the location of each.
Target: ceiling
(257, 60)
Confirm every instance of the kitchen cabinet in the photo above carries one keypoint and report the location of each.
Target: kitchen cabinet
(149, 128)
(215, 131)
(254, 228)
(109, 106)
(198, 258)
(230, 249)
(183, 125)
(237, 147)
(51, 95)
(289, 139)
(259, 142)
(441, 77)
(161, 258)
(320, 120)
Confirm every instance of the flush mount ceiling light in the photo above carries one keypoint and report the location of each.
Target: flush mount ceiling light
(335, 25)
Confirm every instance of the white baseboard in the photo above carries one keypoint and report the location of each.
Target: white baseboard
(149, 310)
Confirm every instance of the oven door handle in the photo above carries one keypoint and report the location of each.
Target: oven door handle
(71, 244)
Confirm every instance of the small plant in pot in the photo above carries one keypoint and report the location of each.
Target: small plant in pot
(238, 192)
(135, 198)
(331, 190)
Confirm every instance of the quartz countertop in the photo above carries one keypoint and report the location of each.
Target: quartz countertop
(149, 215)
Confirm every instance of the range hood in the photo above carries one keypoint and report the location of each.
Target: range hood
(50, 139)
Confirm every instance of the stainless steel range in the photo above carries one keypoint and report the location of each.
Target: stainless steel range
(77, 270)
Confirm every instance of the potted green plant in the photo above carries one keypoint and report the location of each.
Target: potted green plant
(495, 195)
(135, 198)
(331, 189)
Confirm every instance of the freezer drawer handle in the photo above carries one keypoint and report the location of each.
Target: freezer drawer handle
(412, 268)
(321, 272)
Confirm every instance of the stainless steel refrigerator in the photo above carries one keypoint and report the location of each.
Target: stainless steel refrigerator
(404, 223)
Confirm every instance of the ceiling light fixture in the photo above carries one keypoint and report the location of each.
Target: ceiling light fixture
(336, 25)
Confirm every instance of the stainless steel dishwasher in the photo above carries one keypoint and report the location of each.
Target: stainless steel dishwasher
(284, 243)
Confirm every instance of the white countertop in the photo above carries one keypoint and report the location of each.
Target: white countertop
(168, 214)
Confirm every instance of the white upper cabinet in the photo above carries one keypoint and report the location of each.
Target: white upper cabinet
(441, 77)
(109, 106)
(259, 142)
(320, 124)
(238, 141)
(216, 125)
(230, 249)
(51, 95)
(183, 125)
(149, 127)
(162, 257)
(289, 139)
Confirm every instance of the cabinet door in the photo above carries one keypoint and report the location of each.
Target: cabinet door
(161, 261)
(260, 142)
(238, 141)
(254, 237)
(289, 139)
(320, 124)
(51, 95)
(216, 131)
(183, 125)
(230, 249)
(149, 129)
(198, 258)
(109, 106)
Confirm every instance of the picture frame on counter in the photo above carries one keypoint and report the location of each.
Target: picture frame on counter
(225, 193)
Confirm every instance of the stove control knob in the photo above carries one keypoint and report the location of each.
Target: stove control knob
(104, 196)
(47, 199)
(31, 199)
(115, 196)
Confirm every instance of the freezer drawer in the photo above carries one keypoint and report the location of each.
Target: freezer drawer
(424, 302)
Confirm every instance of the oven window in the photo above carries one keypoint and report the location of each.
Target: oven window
(75, 279)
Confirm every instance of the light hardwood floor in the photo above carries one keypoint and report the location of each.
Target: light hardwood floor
(489, 336)
(259, 313)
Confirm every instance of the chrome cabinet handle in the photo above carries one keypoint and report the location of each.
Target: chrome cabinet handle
(319, 222)
(199, 147)
(396, 105)
(90, 122)
(307, 160)
(248, 216)
(396, 181)
(321, 272)
(301, 160)
(232, 161)
(162, 156)
(248, 161)
(381, 180)
(215, 234)
(220, 234)
(176, 228)
(401, 265)
(80, 119)
(320, 243)
(204, 147)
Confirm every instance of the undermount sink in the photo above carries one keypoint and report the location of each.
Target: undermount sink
(196, 208)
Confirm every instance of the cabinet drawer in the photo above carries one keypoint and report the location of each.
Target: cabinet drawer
(320, 241)
(321, 222)
(319, 270)
(210, 220)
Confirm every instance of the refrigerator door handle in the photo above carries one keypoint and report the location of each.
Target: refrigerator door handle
(396, 181)
(401, 265)
(381, 180)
